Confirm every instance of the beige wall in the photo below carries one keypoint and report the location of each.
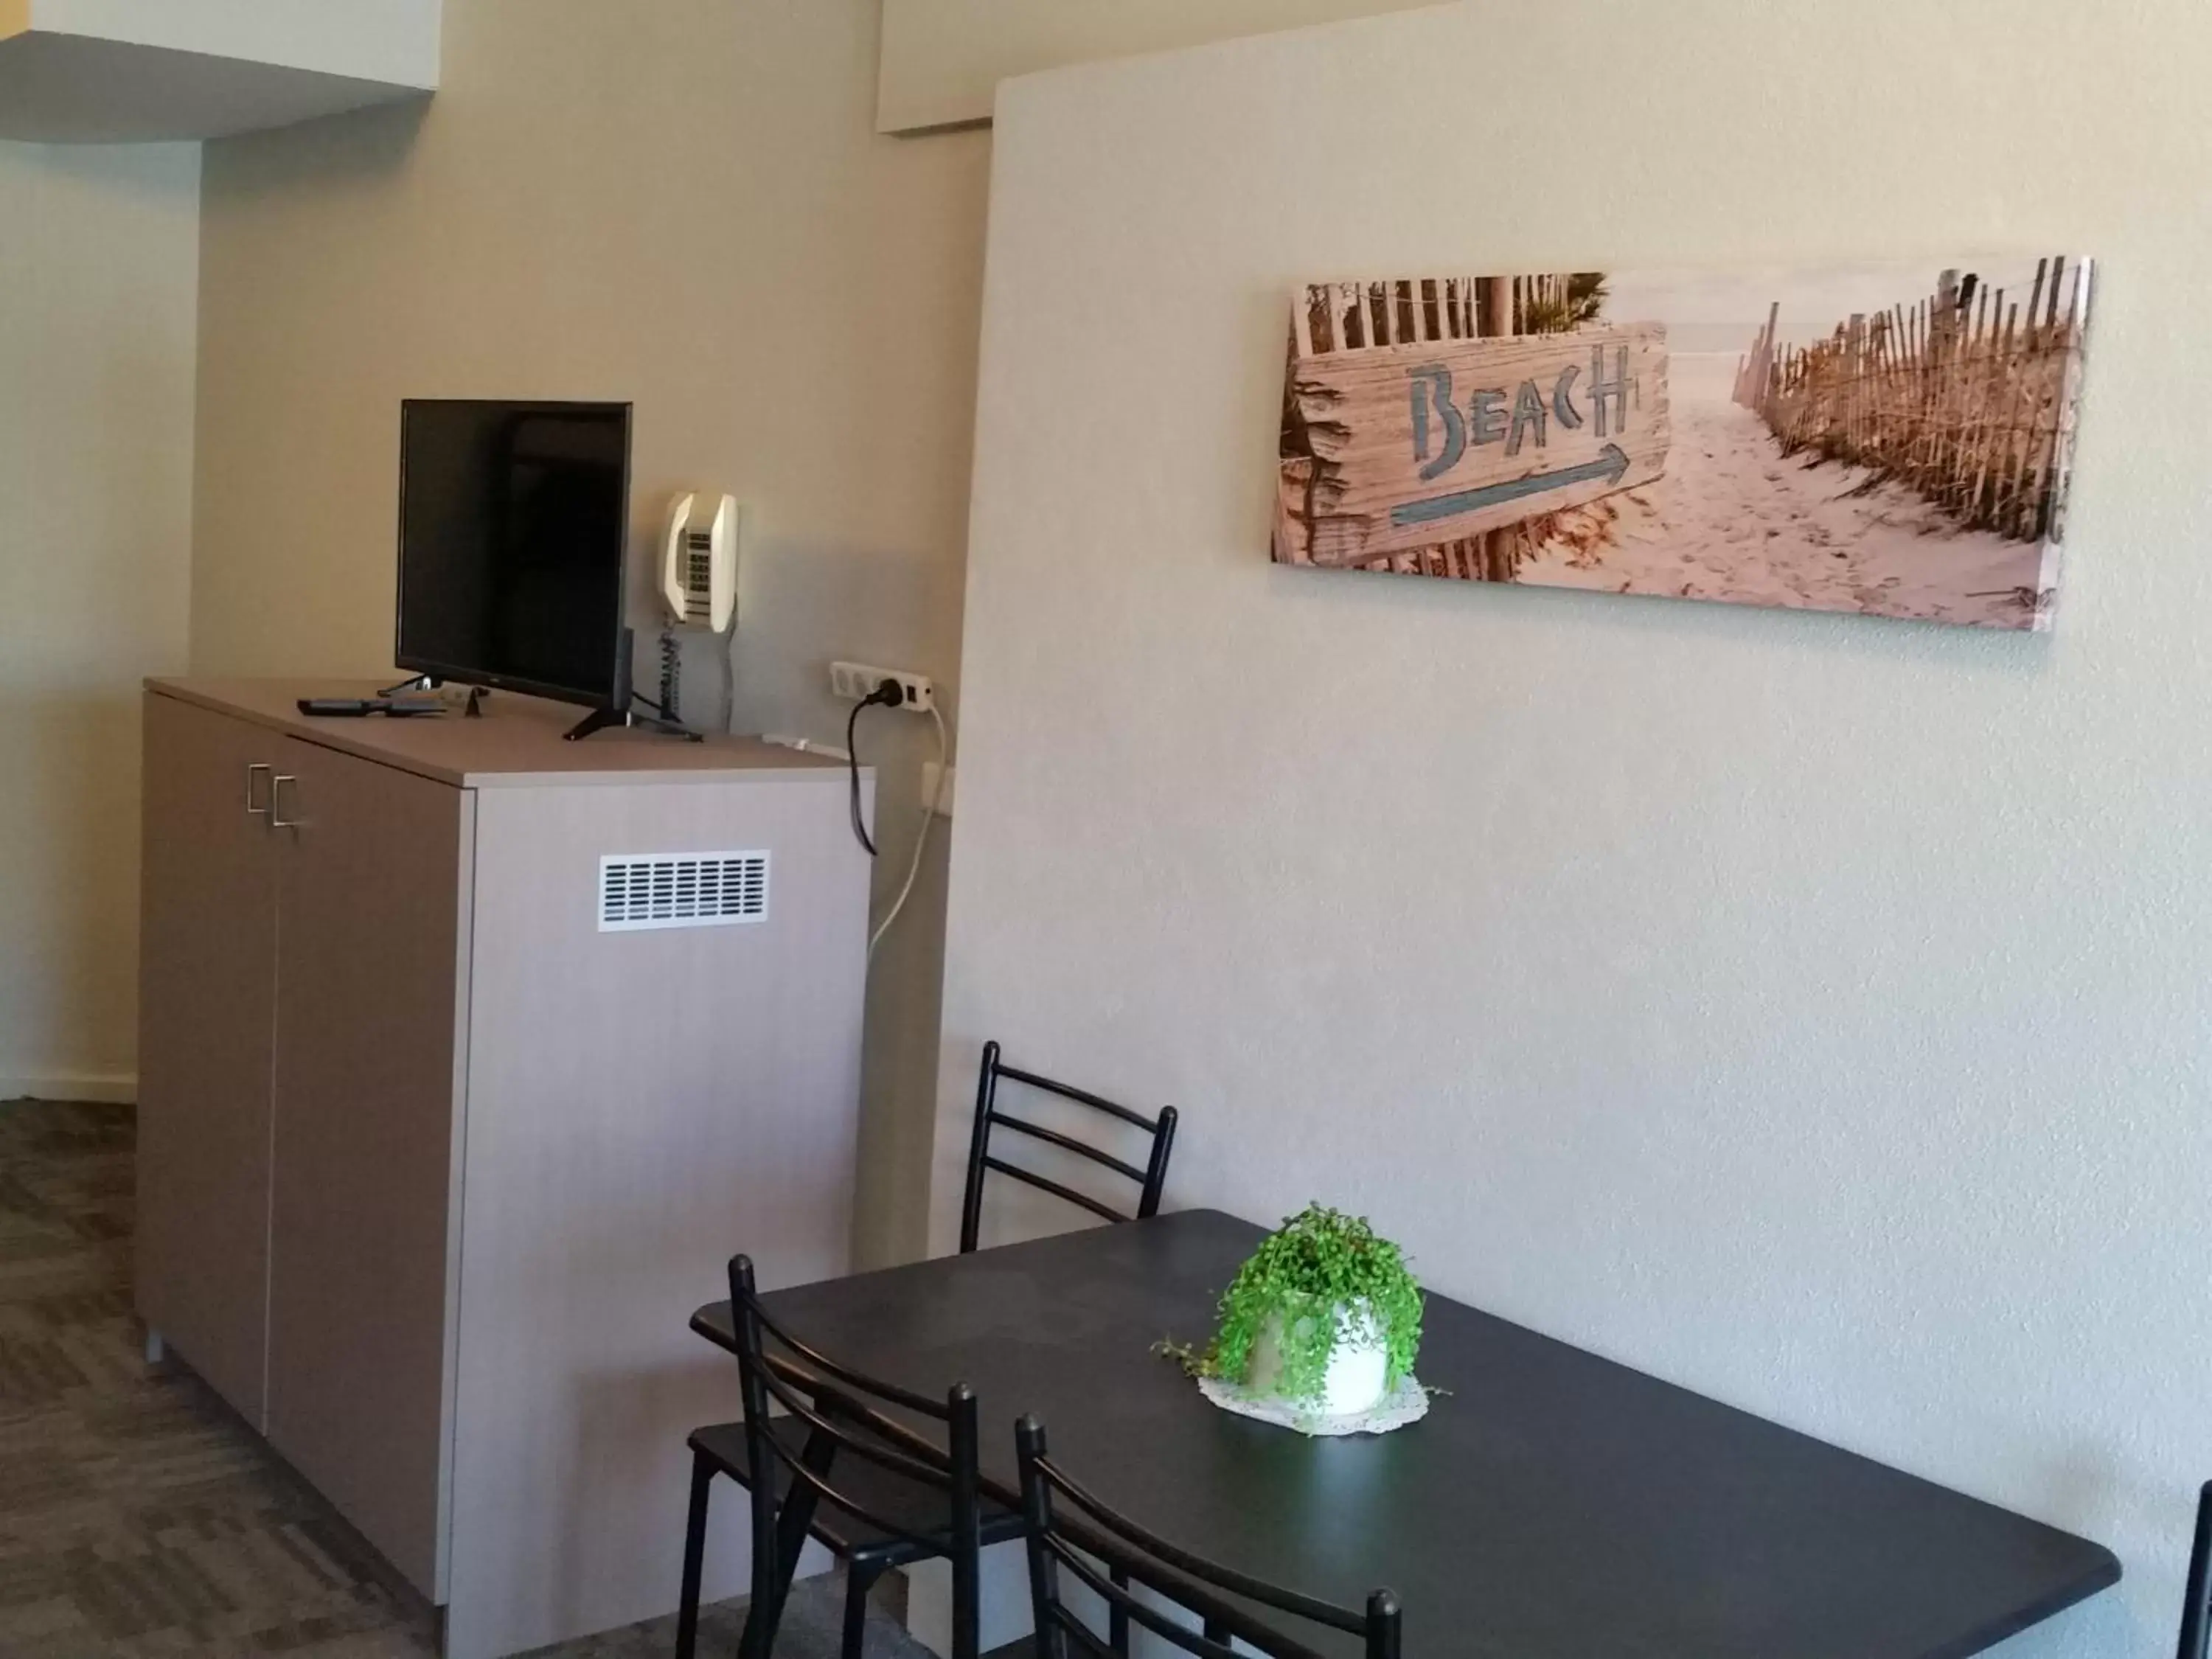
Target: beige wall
(98, 277)
(684, 204)
(1810, 1009)
(943, 59)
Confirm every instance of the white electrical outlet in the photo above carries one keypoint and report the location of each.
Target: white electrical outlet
(853, 681)
(931, 785)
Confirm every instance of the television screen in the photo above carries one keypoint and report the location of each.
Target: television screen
(512, 524)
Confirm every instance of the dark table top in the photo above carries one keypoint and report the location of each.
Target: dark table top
(1552, 1506)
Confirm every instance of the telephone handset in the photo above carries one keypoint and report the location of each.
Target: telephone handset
(699, 564)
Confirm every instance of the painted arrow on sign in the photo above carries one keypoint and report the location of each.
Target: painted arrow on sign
(1611, 463)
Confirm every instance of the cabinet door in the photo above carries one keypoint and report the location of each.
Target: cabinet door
(369, 940)
(206, 986)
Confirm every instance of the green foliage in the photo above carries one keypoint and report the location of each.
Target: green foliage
(1583, 302)
(1317, 1262)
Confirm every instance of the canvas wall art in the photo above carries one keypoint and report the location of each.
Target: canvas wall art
(1888, 439)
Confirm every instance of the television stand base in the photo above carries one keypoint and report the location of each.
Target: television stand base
(600, 719)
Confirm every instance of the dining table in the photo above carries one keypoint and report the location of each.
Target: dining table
(1552, 1503)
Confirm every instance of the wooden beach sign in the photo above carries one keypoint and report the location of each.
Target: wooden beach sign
(1392, 447)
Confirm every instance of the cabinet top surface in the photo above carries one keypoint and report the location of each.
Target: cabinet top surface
(516, 742)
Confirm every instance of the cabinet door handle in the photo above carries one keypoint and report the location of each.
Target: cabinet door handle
(261, 811)
(277, 820)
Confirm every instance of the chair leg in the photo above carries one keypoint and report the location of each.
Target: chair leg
(1117, 1620)
(857, 1584)
(695, 1557)
(764, 1612)
(791, 1524)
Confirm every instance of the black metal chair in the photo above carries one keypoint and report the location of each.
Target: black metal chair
(897, 1498)
(2196, 1610)
(1150, 1179)
(1093, 1536)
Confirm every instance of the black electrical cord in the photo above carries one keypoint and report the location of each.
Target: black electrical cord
(853, 771)
(673, 727)
(672, 675)
(889, 695)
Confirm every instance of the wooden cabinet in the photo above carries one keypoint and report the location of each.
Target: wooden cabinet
(371, 903)
(441, 1143)
(304, 914)
(207, 997)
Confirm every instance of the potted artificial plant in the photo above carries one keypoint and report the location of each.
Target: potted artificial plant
(1324, 1317)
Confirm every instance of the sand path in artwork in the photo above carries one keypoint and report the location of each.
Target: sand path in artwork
(1733, 520)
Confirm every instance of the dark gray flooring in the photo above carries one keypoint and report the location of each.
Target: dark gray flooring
(139, 1517)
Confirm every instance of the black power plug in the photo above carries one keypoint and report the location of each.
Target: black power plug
(888, 694)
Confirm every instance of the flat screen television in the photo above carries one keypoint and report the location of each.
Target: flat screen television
(513, 522)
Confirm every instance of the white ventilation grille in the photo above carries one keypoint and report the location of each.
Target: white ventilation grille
(682, 890)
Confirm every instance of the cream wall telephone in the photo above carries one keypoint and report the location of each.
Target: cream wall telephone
(699, 564)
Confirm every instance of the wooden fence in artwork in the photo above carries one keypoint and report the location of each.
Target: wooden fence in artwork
(1353, 316)
(1356, 316)
(1967, 397)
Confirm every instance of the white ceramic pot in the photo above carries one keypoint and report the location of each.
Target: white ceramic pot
(1358, 1368)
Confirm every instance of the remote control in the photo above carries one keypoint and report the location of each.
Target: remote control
(355, 707)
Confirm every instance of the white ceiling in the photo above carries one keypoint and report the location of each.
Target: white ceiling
(115, 71)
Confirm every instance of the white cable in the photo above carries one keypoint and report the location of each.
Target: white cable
(806, 746)
(729, 680)
(921, 841)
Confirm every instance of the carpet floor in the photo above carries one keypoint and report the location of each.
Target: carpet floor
(138, 1516)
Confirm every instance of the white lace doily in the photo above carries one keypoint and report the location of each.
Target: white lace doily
(1407, 1403)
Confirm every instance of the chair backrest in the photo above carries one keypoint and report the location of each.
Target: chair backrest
(1150, 1180)
(2196, 1610)
(1106, 1550)
(844, 1412)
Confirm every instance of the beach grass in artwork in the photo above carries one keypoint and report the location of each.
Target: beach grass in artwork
(1889, 439)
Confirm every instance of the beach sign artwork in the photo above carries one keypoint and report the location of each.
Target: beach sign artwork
(1886, 438)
